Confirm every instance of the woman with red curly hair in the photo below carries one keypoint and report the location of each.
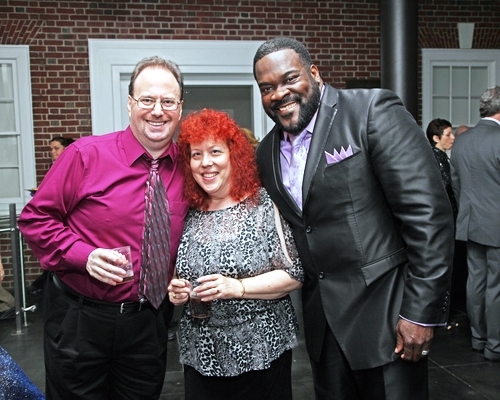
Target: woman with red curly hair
(232, 257)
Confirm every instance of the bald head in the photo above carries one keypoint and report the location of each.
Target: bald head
(461, 129)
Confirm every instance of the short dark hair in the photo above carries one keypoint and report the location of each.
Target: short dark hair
(489, 104)
(283, 43)
(158, 62)
(63, 140)
(436, 127)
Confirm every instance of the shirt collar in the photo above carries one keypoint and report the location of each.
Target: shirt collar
(492, 119)
(134, 150)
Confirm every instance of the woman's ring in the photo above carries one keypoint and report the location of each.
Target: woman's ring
(174, 296)
(218, 291)
(425, 352)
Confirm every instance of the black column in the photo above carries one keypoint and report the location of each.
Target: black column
(399, 50)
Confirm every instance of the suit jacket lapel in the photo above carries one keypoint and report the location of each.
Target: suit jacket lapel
(324, 121)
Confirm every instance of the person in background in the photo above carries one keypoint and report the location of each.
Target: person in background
(251, 137)
(460, 129)
(231, 247)
(475, 173)
(354, 175)
(105, 338)
(57, 146)
(440, 135)
(7, 301)
(14, 384)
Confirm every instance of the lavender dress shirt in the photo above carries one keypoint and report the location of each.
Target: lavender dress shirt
(93, 196)
(286, 151)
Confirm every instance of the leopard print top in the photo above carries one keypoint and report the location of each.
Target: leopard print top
(240, 335)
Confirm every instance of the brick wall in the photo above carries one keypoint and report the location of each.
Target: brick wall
(342, 36)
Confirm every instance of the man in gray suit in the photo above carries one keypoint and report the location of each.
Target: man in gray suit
(356, 178)
(475, 168)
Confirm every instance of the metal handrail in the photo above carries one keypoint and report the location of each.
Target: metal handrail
(17, 249)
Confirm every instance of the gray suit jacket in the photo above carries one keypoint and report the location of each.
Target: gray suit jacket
(475, 169)
(376, 232)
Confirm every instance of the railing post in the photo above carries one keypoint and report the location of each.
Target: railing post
(16, 270)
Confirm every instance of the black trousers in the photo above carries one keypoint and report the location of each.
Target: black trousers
(274, 383)
(335, 380)
(96, 354)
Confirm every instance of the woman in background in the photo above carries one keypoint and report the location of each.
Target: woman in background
(440, 135)
(231, 248)
(57, 146)
(254, 142)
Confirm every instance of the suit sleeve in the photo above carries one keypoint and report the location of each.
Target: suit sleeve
(409, 175)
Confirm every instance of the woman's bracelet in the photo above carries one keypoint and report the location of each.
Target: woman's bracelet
(243, 287)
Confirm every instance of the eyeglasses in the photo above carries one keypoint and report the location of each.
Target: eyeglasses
(148, 103)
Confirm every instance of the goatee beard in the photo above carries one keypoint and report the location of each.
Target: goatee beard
(306, 113)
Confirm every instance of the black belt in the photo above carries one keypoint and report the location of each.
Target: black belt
(117, 308)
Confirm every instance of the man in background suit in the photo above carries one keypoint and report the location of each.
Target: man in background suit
(372, 222)
(475, 168)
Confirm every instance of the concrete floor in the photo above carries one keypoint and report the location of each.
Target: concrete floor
(455, 371)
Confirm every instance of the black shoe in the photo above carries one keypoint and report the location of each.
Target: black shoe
(491, 356)
(10, 313)
(171, 336)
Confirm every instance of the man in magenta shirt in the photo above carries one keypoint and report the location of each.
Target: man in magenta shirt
(102, 338)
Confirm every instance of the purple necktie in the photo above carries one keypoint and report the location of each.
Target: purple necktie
(297, 166)
(156, 243)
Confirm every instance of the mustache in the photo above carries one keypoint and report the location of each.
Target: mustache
(285, 100)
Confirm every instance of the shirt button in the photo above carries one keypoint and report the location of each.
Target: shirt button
(308, 229)
(321, 275)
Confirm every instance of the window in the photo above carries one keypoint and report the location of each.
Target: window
(17, 156)
(454, 80)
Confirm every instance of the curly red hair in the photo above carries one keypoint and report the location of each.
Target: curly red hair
(217, 125)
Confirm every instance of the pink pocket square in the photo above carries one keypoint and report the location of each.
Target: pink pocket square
(338, 156)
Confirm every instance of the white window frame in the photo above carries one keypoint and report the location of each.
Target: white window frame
(18, 56)
(455, 57)
(203, 62)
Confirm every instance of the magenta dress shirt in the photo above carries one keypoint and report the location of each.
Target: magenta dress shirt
(93, 196)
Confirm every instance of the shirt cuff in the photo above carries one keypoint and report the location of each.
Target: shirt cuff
(78, 254)
(421, 324)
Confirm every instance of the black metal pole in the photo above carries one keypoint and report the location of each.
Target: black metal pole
(399, 50)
